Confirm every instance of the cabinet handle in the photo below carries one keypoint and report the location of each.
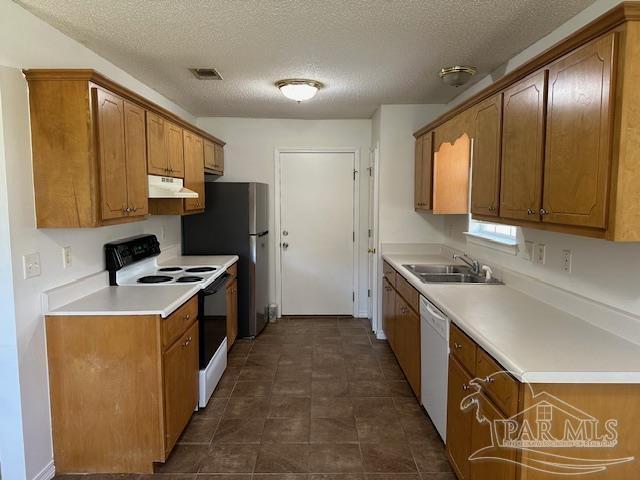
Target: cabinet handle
(489, 379)
(403, 310)
(186, 343)
(457, 346)
(530, 212)
(492, 208)
(465, 387)
(543, 211)
(126, 210)
(187, 317)
(134, 209)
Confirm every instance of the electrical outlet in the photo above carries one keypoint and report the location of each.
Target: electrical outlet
(540, 253)
(31, 265)
(66, 257)
(566, 261)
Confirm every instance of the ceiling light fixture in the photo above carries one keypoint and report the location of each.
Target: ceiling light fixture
(299, 89)
(457, 75)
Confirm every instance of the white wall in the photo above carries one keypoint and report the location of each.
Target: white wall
(249, 156)
(603, 271)
(398, 221)
(25, 427)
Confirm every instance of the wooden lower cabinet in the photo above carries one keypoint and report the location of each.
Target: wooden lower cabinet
(122, 388)
(232, 312)
(180, 375)
(401, 325)
(458, 421)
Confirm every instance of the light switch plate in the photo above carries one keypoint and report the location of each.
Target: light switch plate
(66, 257)
(566, 261)
(31, 265)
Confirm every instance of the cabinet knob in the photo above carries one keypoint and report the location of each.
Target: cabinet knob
(489, 380)
(530, 211)
(492, 208)
(457, 346)
(403, 310)
(134, 209)
(465, 387)
(187, 316)
(187, 342)
(543, 212)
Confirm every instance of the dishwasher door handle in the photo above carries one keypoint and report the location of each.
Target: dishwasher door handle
(435, 313)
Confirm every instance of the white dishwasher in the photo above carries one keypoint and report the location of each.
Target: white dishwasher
(434, 333)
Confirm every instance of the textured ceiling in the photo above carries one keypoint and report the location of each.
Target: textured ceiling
(366, 52)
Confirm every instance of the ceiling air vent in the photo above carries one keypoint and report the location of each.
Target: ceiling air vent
(206, 73)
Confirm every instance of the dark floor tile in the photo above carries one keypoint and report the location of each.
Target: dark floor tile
(400, 389)
(430, 460)
(267, 348)
(281, 476)
(356, 340)
(224, 388)
(289, 407)
(360, 360)
(325, 331)
(262, 360)
(393, 372)
(347, 331)
(199, 430)
(241, 347)
(364, 373)
(214, 409)
(355, 349)
(380, 430)
(183, 459)
(335, 339)
(331, 407)
(419, 429)
(374, 407)
(293, 372)
(299, 339)
(387, 458)
(252, 389)
(286, 430)
(295, 349)
(295, 360)
(246, 407)
(220, 476)
(407, 406)
(293, 388)
(329, 388)
(368, 388)
(239, 431)
(323, 357)
(236, 361)
(392, 476)
(232, 372)
(330, 372)
(333, 430)
(438, 476)
(112, 476)
(283, 458)
(144, 476)
(355, 322)
(255, 373)
(230, 459)
(335, 458)
(337, 476)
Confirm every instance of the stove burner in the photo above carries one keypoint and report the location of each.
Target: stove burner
(200, 269)
(155, 279)
(188, 279)
(170, 269)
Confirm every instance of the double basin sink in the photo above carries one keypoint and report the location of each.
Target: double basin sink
(449, 274)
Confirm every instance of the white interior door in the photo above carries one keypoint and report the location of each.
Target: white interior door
(316, 233)
(373, 234)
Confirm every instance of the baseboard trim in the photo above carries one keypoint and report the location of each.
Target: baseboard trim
(47, 473)
(363, 314)
(380, 335)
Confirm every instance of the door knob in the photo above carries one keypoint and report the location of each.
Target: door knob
(372, 250)
(285, 245)
(285, 233)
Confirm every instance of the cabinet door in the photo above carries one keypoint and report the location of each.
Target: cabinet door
(180, 370)
(136, 157)
(451, 163)
(388, 313)
(458, 421)
(423, 172)
(485, 177)
(232, 313)
(111, 148)
(501, 468)
(219, 158)
(579, 120)
(209, 155)
(175, 150)
(407, 338)
(194, 170)
(523, 148)
(157, 163)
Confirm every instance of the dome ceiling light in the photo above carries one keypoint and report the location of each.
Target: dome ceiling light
(458, 75)
(299, 89)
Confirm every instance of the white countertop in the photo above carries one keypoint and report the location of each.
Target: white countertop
(146, 300)
(535, 342)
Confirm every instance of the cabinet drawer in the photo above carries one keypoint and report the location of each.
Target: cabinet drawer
(409, 293)
(501, 387)
(389, 273)
(233, 270)
(463, 348)
(177, 323)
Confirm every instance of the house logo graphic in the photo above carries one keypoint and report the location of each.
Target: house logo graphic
(538, 436)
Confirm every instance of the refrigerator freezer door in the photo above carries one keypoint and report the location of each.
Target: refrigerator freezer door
(258, 208)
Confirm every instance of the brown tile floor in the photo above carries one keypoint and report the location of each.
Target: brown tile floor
(309, 399)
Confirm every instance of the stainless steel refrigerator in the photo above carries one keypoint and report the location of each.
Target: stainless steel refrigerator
(236, 222)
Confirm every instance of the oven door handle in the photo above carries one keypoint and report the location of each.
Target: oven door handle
(216, 285)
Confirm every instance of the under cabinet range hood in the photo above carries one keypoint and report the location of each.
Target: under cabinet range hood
(168, 187)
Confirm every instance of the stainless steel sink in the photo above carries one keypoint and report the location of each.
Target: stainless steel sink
(449, 274)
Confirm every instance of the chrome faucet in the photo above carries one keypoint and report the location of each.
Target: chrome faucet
(474, 264)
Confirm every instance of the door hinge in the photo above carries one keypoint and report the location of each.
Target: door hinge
(353, 296)
(369, 293)
(354, 174)
(369, 233)
(354, 237)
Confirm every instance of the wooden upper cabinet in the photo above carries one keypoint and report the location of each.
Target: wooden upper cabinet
(485, 176)
(523, 124)
(213, 157)
(112, 153)
(423, 197)
(579, 123)
(219, 159)
(175, 150)
(157, 163)
(194, 170)
(136, 159)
